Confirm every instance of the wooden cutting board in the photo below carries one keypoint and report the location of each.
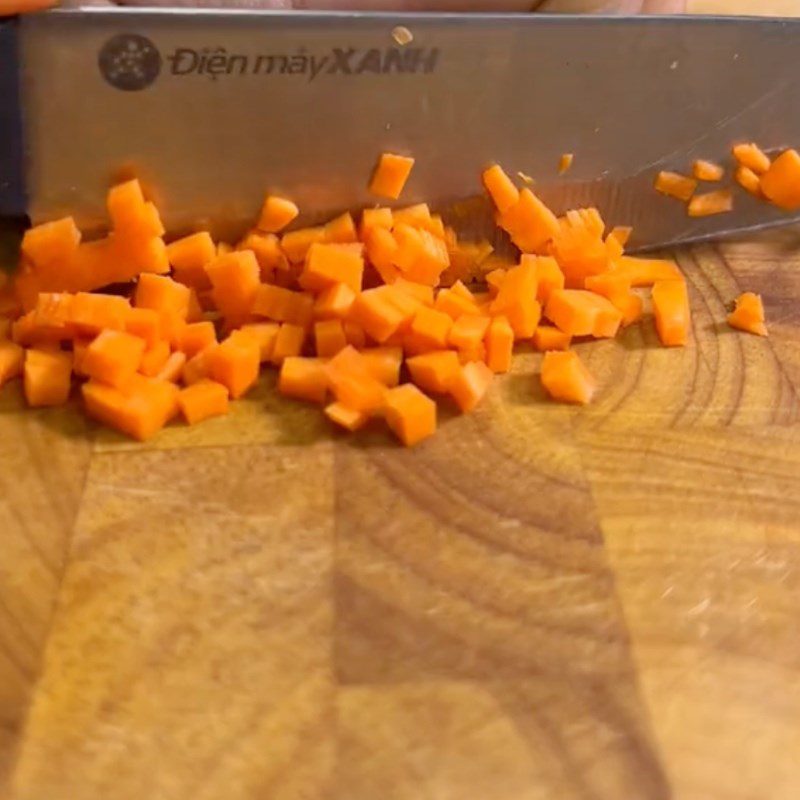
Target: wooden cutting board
(541, 602)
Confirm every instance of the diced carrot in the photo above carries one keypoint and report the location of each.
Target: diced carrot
(565, 377)
(140, 409)
(622, 233)
(92, 313)
(142, 322)
(578, 312)
(235, 282)
(548, 337)
(704, 205)
(113, 357)
(375, 218)
(516, 300)
(172, 369)
(501, 188)
(345, 417)
(707, 170)
(264, 334)
(25, 332)
(47, 377)
(12, 358)
(468, 330)
(476, 352)
(468, 260)
(162, 294)
(375, 312)
(51, 246)
(295, 244)
(429, 331)
(671, 311)
(548, 276)
(420, 256)
(410, 414)
(334, 302)
(304, 379)
(750, 155)
(494, 280)
(203, 400)
(79, 348)
(617, 289)
(283, 305)
(276, 214)
(381, 250)
(580, 252)
(234, 363)
(329, 337)
(748, 315)
(646, 271)
(781, 182)
(529, 223)
(675, 185)
(420, 292)
(196, 337)
(499, 343)
(131, 216)
(390, 175)
(53, 313)
(565, 162)
(267, 249)
(450, 302)
(190, 255)
(197, 368)
(329, 264)
(355, 335)
(384, 363)
(748, 180)
(470, 384)
(352, 383)
(153, 359)
(341, 230)
(434, 371)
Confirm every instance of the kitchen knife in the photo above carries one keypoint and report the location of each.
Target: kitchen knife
(213, 108)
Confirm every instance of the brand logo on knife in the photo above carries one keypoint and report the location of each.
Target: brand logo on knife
(129, 62)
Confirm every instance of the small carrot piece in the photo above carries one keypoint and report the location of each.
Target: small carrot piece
(750, 155)
(46, 377)
(203, 400)
(565, 377)
(467, 331)
(517, 301)
(675, 185)
(622, 233)
(153, 359)
(549, 277)
(548, 337)
(748, 180)
(12, 359)
(197, 368)
(470, 384)
(781, 182)
(196, 337)
(334, 302)
(707, 170)
(289, 342)
(646, 271)
(375, 312)
(329, 264)
(234, 363)
(565, 162)
(434, 372)
(190, 254)
(381, 249)
(578, 312)
(276, 214)
(499, 344)
(390, 175)
(295, 244)
(671, 311)
(113, 357)
(384, 364)
(501, 188)
(283, 305)
(265, 334)
(617, 289)
(173, 367)
(162, 294)
(91, 313)
(375, 218)
(352, 382)
(304, 379)
(342, 230)
(704, 205)
(529, 222)
(748, 315)
(329, 337)
(450, 302)
(142, 322)
(410, 414)
(345, 417)
(494, 280)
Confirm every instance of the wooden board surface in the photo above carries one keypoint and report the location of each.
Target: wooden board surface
(540, 602)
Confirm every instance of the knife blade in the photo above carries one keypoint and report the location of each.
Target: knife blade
(211, 109)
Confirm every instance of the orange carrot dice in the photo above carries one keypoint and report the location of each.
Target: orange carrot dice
(548, 337)
(499, 343)
(234, 363)
(375, 218)
(195, 337)
(748, 315)
(781, 182)
(289, 341)
(334, 302)
(435, 371)
(752, 157)
(352, 383)
(383, 364)
(375, 311)
(429, 330)
(162, 294)
(203, 400)
(153, 360)
(329, 337)
(330, 264)
(276, 214)
(145, 323)
(172, 369)
(578, 312)
(671, 311)
(47, 377)
(381, 250)
(113, 357)
(707, 170)
(470, 384)
(390, 175)
(704, 205)
(516, 300)
(296, 244)
(190, 254)
(341, 230)
(468, 330)
(355, 335)
(267, 249)
(345, 417)
(197, 368)
(283, 305)
(748, 180)
(304, 379)
(675, 185)
(92, 313)
(564, 377)
(529, 222)
(410, 414)
(646, 271)
(235, 280)
(12, 359)
(549, 277)
(265, 333)
(501, 188)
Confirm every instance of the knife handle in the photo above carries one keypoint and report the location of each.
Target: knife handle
(12, 172)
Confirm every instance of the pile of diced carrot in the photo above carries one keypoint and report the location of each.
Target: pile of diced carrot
(369, 319)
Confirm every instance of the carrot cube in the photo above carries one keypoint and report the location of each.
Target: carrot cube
(345, 417)
(235, 280)
(501, 188)
(352, 383)
(548, 337)
(516, 300)
(190, 254)
(499, 343)
(283, 305)
(144, 323)
(295, 244)
(304, 379)
(752, 157)
(289, 342)
(195, 337)
(113, 357)
(434, 372)
(429, 331)
(92, 313)
(163, 295)
(329, 264)
(47, 377)
(334, 302)
(234, 363)
(12, 358)
(383, 364)
(172, 369)
(276, 214)
(468, 331)
(154, 358)
(265, 334)
(578, 312)
(375, 312)
(748, 315)
(203, 400)
(470, 384)
(410, 414)
(564, 377)
(375, 218)
(390, 175)
(781, 182)
(381, 249)
(671, 311)
(329, 337)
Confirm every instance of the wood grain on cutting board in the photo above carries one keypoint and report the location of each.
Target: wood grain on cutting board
(539, 602)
